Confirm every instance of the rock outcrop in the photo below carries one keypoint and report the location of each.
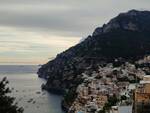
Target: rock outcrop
(133, 20)
(124, 38)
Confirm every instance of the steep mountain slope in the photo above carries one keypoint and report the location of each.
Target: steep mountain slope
(126, 37)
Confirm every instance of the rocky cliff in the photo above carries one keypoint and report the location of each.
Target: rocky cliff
(125, 38)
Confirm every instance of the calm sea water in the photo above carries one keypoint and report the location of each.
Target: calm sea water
(27, 89)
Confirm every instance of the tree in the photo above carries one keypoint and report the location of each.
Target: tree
(123, 97)
(113, 100)
(7, 104)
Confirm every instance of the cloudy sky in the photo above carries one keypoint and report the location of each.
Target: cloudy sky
(34, 31)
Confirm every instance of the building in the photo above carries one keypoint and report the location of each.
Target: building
(101, 100)
(141, 100)
(146, 78)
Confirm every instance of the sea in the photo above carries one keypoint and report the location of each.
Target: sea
(26, 88)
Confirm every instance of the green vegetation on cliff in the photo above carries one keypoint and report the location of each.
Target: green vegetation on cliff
(126, 38)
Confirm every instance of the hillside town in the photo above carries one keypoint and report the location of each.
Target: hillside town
(109, 88)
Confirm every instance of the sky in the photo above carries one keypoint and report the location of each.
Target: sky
(35, 31)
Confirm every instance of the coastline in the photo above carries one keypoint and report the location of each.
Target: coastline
(27, 90)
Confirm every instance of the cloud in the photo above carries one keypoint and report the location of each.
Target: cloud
(31, 46)
(65, 17)
(34, 30)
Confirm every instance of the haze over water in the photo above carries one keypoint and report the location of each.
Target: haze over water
(27, 89)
